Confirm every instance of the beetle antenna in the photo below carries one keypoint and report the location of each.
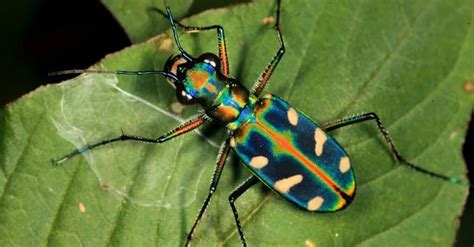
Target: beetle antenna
(175, 33)
(116, 72)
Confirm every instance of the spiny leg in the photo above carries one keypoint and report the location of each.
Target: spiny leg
(233, 197)
(183, 128)
(372, 116)
(265, 76)
(220, 40)
(187, 126)
(221, 159)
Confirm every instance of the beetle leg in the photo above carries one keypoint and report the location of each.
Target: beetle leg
(221, 159)
(372, 116)
(189, 125)
(233, 197)
(265, 76)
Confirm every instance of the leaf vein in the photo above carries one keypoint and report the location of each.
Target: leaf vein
(60, 208)
(290, 89)
(405, 219)
(388, 57)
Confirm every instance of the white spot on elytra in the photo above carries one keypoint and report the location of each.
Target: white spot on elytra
(258, 162)
(320, 138)
(284, 185)
(292, 116)
(344, 164)
(315, 203)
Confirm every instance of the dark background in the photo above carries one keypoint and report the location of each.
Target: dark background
(51, 35)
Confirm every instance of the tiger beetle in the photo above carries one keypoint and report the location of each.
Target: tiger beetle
(282, 147)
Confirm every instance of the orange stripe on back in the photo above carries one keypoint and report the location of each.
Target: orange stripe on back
(288, 146)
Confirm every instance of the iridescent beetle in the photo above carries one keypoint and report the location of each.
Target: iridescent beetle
(282, 147)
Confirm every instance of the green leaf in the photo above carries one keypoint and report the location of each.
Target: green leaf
(138, 18)
(408, 61)
(140, 21)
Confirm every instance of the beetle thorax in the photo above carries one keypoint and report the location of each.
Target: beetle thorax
(203, 83)
(230, 103)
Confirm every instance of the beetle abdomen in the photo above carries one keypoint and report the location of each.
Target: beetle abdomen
(295, 157)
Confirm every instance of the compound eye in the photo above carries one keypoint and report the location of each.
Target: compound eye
(183, 97)
(175, 65)
(211, 59)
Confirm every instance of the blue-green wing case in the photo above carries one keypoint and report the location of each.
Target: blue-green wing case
(295, 157)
